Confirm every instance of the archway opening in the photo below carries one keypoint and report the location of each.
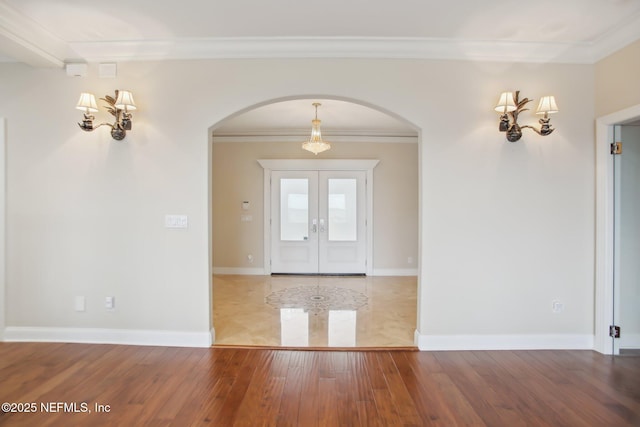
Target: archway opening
(275, 129)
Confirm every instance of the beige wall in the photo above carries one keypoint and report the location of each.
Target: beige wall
(617, 84)
(237, 176)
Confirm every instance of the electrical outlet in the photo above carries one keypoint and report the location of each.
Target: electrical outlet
(557, 306)
(80, 303)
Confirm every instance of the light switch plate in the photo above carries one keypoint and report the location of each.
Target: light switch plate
(176, 221)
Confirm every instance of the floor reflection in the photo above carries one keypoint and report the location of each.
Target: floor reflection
(342, 328)
(302, 311)
(294, 327)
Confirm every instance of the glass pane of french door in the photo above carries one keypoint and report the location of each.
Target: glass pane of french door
(294, 209)
(343, 209)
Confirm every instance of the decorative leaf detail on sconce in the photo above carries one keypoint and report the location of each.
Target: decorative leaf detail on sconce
(519, 106)
(112, 102)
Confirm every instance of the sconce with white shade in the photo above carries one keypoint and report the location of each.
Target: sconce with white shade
(118, 107)
(510, 106)
(315, 144)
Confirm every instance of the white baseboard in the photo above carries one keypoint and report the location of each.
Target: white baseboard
(395, 271)
(261, 271)
(109, 336)
(629, 341)
(504, 342)
(238, 270)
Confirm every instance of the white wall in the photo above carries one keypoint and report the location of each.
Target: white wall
(630, 238)
(505, 228)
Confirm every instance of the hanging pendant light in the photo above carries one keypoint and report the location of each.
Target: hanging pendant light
(315, 144)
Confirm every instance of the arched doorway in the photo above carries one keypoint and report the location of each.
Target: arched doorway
(275, 130)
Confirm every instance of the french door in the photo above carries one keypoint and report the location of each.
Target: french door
(318, 222)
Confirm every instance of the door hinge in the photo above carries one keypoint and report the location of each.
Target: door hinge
(614, 331)
(616, 148)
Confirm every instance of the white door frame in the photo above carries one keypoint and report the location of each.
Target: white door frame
(269, 165)
(604, 298)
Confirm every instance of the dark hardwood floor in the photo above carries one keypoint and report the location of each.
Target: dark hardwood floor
(96, 385)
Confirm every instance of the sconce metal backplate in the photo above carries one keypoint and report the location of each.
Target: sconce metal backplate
(514, 133)
(123, 120)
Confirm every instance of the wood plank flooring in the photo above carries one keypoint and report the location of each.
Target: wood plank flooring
(65, 384)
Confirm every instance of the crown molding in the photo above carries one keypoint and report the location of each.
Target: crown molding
(623, 35)
(293, 136)
(334, 47)
(25, 41)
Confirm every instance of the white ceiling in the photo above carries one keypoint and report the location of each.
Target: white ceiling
(46, 33)
(540, 20)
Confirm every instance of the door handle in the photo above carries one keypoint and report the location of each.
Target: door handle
(322, 225)
(314, 225)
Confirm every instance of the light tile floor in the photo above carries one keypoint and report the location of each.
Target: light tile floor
(314, 311)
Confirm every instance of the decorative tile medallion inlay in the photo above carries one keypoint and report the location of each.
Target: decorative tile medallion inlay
(317, 299)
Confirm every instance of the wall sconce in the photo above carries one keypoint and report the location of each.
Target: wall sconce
(118, 107)
(510, 106)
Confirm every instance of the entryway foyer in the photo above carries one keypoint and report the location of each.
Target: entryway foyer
(314, 311)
